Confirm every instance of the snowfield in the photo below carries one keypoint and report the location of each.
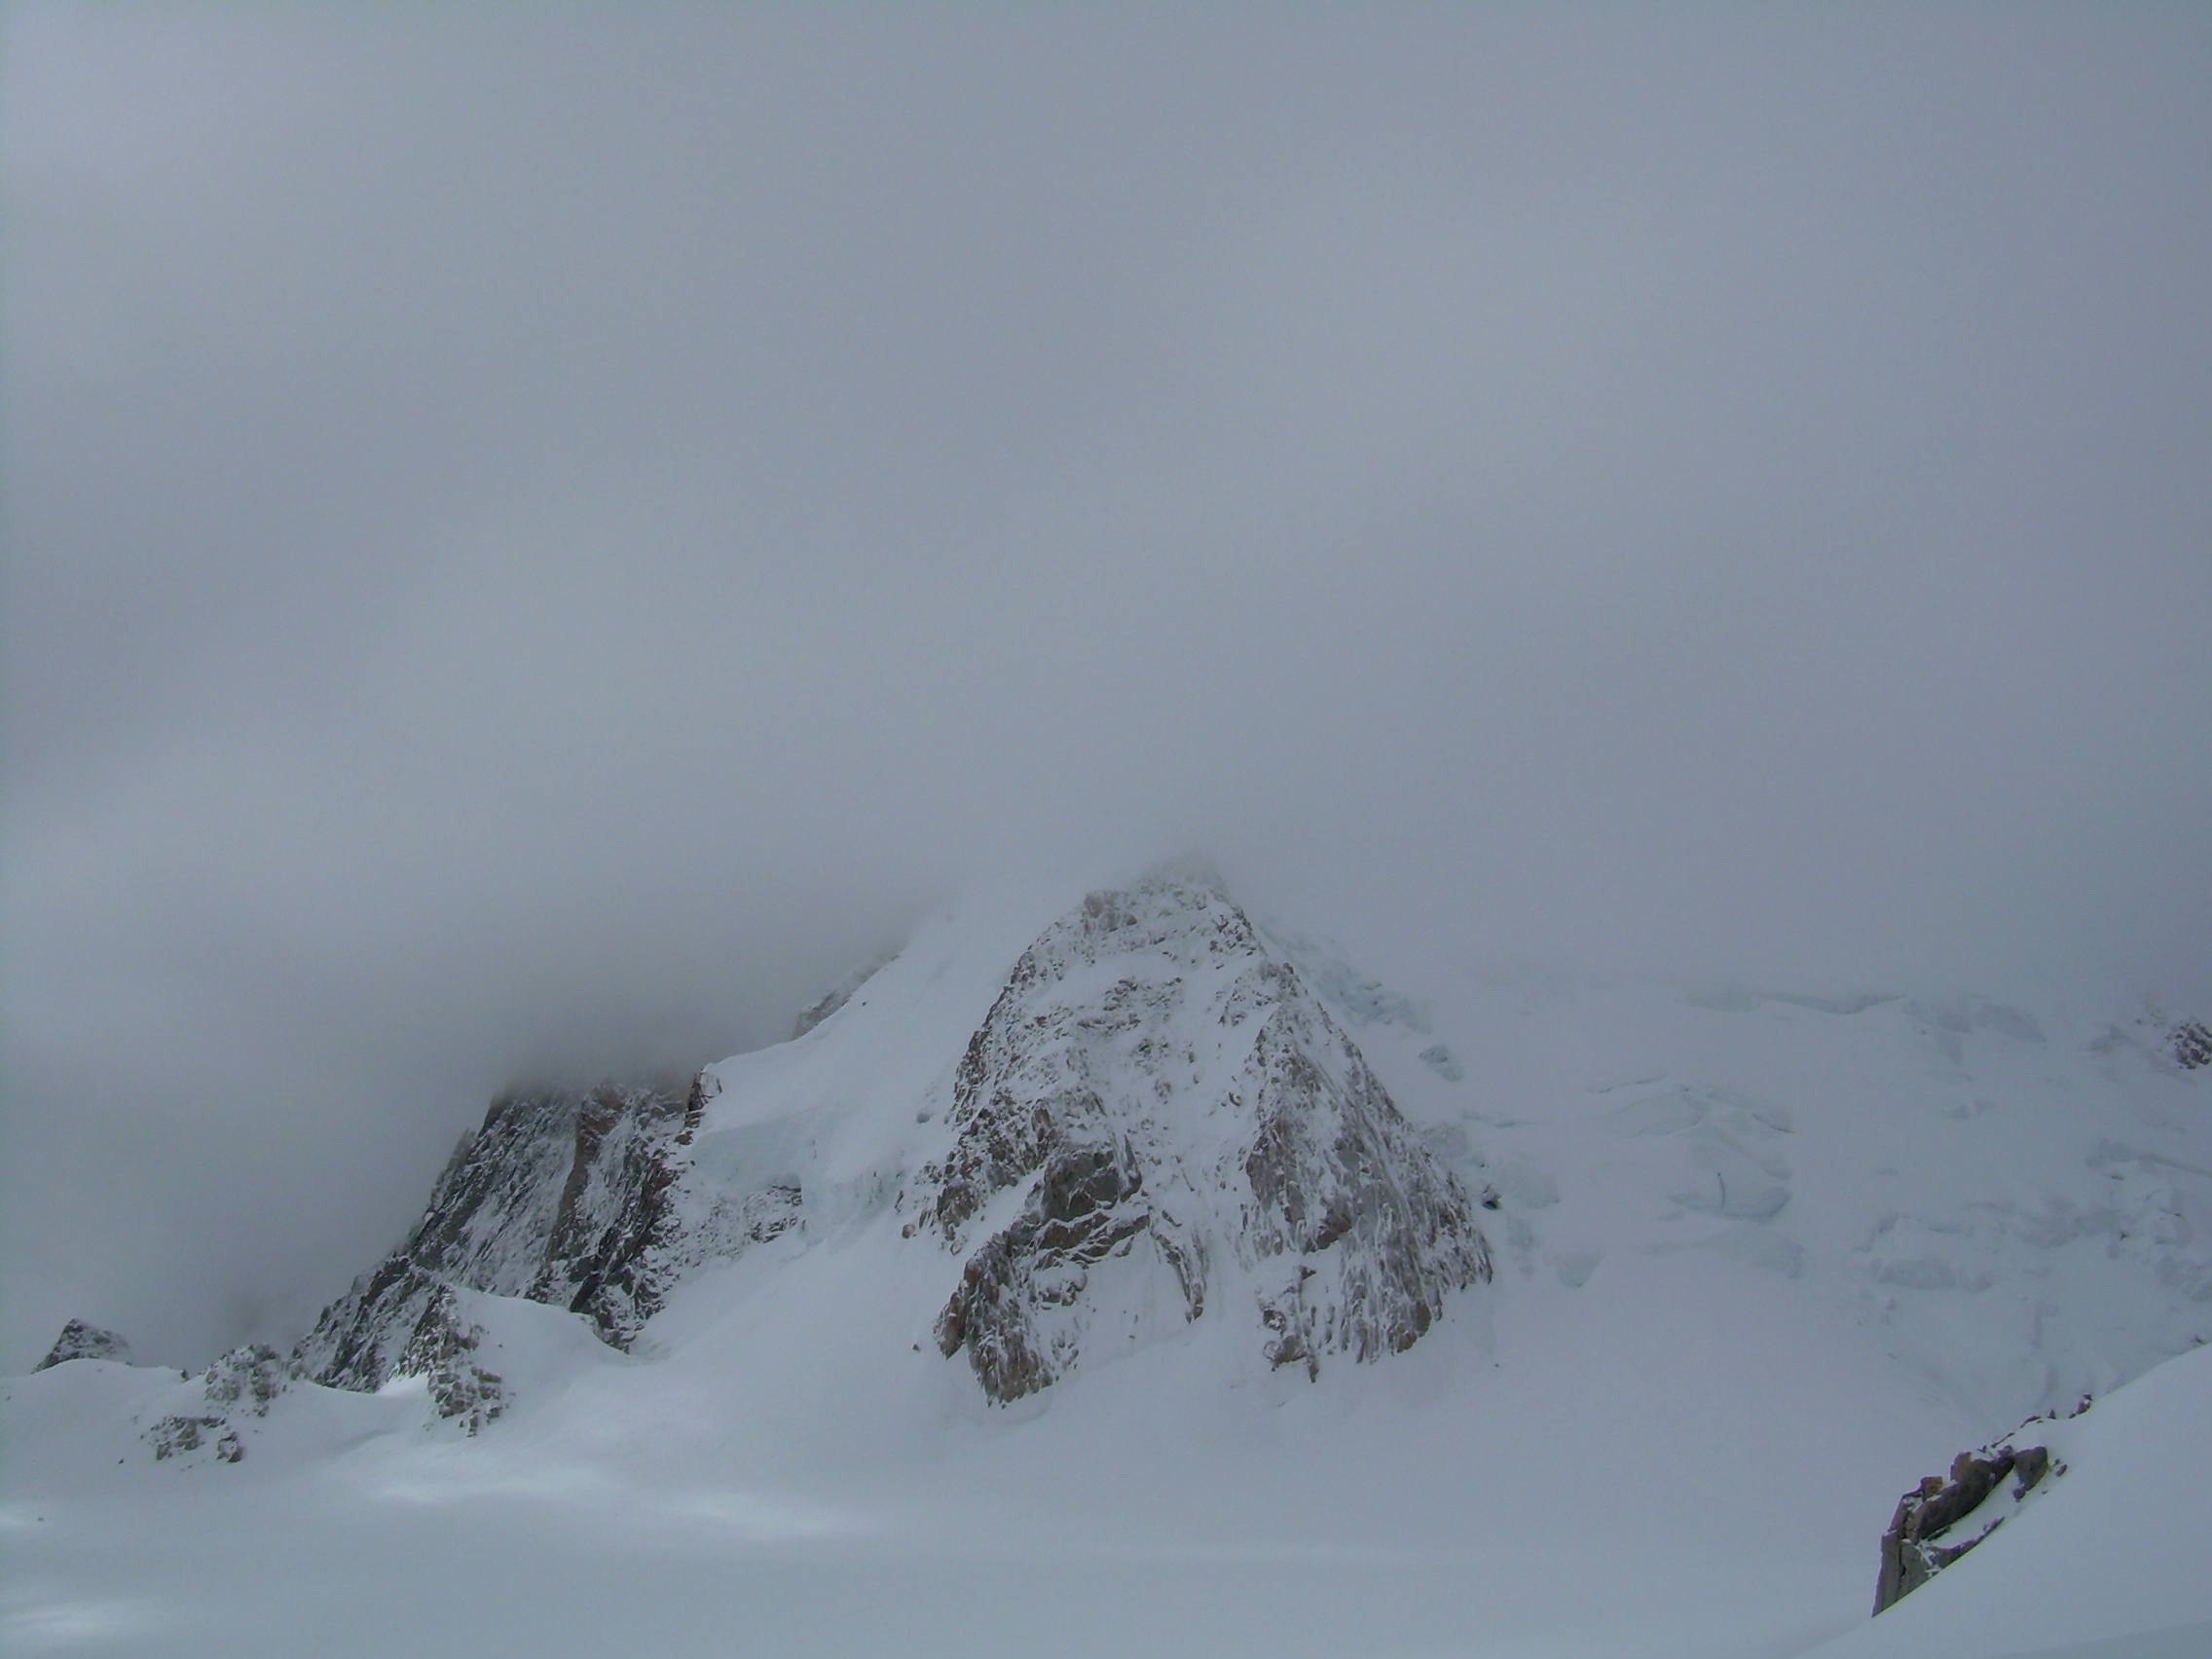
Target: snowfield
(1758, 1261)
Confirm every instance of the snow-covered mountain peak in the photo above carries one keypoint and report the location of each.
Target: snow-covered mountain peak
(1079, 1202)
(1176, 1112)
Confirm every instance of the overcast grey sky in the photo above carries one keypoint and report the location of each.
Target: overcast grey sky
(536, 536)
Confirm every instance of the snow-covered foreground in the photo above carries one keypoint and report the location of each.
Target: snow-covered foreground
(1761, 1260)
(1395, 1520)
(1656, 1487)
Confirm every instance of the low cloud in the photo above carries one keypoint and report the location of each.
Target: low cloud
(536, 540)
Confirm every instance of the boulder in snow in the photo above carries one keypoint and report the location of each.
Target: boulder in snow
(1939, 1520)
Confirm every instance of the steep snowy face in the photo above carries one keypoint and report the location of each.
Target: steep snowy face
(560, 1197)
(1158, 1117)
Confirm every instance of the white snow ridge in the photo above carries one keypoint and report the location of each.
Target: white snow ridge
(1110, 1275)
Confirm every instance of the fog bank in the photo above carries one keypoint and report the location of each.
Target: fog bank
(538, 539)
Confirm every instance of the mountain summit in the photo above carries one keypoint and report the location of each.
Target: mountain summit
(1176, 1112)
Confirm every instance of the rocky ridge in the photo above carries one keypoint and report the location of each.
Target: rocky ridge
(559, 1198)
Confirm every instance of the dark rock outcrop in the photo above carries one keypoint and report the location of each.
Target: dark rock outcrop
(1941, 1520)
(2190, 1041)
(440, 1351)
(402, 1322)
(1175, 1104)
(175, 1436)
(247, 1379)
(244, 1383)
(81, 1340)
(559, 1198)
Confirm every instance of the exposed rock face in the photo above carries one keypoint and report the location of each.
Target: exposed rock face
(1939, 1520)
(80, 1340)
(247, 1379)
(244, 1383)
(358, 1341)
(559, 1198)
(2192, 1043)
(1175, 1109)
(440, 1351)
(401, 1322)
(177, 1436)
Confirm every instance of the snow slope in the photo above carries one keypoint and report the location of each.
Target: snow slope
(2109, 1564)
(2016, 1204)
(1760, 1261)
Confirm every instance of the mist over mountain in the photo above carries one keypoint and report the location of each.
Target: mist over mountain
(1237, 831)
(537, 542)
